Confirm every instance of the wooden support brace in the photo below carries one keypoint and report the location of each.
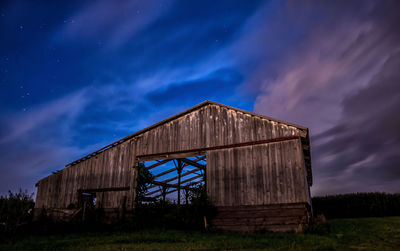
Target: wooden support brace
(173, 169)
(174, 178)
(175, 185)
(158, 163)
(185, 187)
(163, 173)
(193, 163)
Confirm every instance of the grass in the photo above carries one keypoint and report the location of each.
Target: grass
(346, 234)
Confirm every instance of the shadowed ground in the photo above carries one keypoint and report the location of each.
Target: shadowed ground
(346, 234)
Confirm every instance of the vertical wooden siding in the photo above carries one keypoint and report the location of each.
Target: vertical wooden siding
(209, 126)
(257, 175)
(110, 169)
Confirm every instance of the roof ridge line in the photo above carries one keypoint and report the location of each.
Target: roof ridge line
(193, 108)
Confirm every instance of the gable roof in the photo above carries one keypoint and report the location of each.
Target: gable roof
(181, 114)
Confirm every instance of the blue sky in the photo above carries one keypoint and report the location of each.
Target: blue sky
(77, 75)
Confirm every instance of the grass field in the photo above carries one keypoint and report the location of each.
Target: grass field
(345, 234)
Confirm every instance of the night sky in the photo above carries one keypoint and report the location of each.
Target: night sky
(75, 76)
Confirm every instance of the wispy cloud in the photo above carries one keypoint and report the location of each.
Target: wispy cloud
(61, 110)
(39, 139)
(117, 22)
(325, 74)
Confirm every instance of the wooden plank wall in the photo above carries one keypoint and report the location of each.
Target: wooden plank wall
(110, 169)
(291, 217)
(264, 174)
(209, 126)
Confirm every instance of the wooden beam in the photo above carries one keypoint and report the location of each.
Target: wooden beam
(173, 169)
(193, 163)
(193, 178)
(202, 151)
(188, 188)
(106, 189)
(200, 158)
(166, 172)
(158, 163)
(170, 156)
(176, 177)
(175, 185)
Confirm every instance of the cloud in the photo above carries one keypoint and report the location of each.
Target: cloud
(365, 141)
(209, 87)
(60, 110)
(118, 21)
(39, 140)
(338, 77)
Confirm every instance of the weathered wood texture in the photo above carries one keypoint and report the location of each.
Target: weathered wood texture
(258, 175)
(209, 126)
(291, 217)
(110, 169)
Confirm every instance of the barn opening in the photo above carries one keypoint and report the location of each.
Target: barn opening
(174, 176)
(87, 199)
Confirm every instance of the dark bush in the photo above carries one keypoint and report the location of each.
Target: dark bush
(144, 178)
(318, 225)
(357, 205)
(164, 214)
(16, 210)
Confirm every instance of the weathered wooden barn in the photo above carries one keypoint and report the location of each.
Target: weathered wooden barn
(256, 169)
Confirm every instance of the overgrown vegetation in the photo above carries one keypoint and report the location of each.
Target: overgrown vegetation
(167, 215)
(346, 234)
(15, 211)
(144, 178)
(159, 213)
(357, 205)
(158, 225)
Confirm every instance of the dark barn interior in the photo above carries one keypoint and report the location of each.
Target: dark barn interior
(256, 170)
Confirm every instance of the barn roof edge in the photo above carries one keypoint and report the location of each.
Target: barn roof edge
(204, 103)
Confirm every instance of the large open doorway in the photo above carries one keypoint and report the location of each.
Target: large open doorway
(175, 178)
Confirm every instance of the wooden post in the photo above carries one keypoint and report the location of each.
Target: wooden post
(123, 209)
(205, 178)
(205, 222)
(179, 169)
(164, 193)
(84, 211)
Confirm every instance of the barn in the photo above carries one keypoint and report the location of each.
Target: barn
(256, 170)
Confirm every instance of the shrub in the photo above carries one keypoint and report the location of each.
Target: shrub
(145, 177)
(357, 205)
(16, 211)
(164, 214)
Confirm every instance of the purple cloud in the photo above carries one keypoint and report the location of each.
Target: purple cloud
(339, 78)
